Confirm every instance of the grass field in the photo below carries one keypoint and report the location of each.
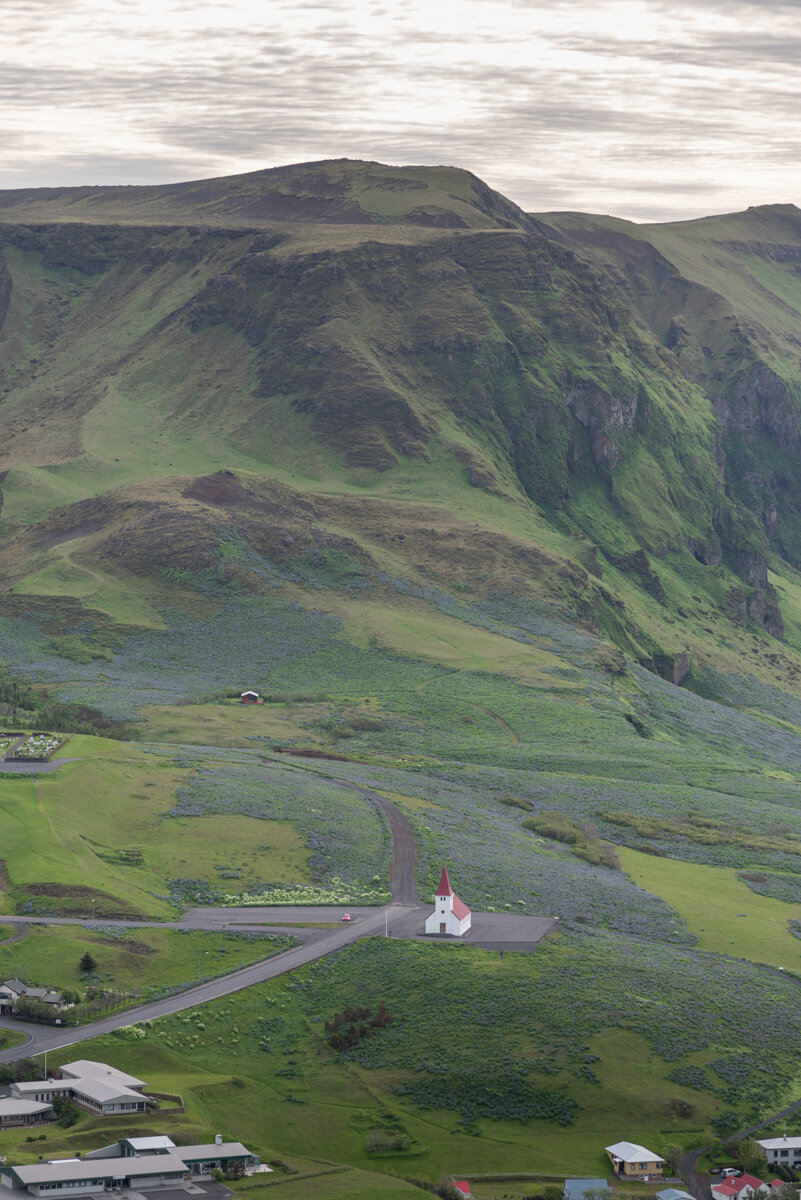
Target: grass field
(141, 962)
(486, 1093)
(9, 1038)
(721, 910)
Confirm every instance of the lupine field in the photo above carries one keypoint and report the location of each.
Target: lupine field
(532, 1042)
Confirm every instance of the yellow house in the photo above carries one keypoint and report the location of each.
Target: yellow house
(631, 1161)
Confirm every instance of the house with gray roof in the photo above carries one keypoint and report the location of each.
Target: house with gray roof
(97, 1087)
(15, 1113)
(14, 990)
(129, 1163)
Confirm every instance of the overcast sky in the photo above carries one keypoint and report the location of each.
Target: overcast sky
(647, 109)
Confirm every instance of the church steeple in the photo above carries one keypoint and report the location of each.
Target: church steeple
(444, 886)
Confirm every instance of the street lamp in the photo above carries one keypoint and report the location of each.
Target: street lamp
(199, 961)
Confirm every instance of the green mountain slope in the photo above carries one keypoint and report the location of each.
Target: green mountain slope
(621, 400)
(500, 514)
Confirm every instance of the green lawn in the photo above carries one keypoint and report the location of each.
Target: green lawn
(93, 830)
(9, 1038)
(725, 914)
(256, 1067)
(137, 961)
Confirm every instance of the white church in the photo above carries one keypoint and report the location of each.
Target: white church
(451, 916)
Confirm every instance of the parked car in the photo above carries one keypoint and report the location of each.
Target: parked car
(346, 917)
(731, 1172)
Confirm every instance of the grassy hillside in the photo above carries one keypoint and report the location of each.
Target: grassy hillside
(500, 515)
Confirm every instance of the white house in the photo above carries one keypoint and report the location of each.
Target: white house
(451, 916)
(746, 1187)
(782, 1151)
(94, 1086)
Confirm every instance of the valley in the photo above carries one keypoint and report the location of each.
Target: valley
(498, 513)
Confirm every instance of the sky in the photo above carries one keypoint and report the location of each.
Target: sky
(646, 109)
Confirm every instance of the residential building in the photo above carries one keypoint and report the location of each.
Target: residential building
(746, 1187)
(631, 1161)
(673, 1194)
(73, 1177)
(450, 917)
(15, 1112)
(199, 1160)
(14, 990)
(97, 1087)
(139, 1163)
(782, 1151)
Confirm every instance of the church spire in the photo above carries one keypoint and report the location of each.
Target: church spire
(444, 886)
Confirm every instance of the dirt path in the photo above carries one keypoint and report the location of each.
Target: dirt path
(17, 936)
(402, 865)
(56, 838)
(403, 862)
(514, 740)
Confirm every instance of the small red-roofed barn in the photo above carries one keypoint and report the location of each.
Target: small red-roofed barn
(450, 917)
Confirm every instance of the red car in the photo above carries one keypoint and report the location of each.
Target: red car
(346, 917)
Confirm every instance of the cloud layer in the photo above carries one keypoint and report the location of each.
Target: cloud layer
(646, 109)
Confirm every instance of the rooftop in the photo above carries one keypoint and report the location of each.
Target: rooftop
(631, 1152)
(87, 1068)
(212, 1150)
(161, 1142)
(444, 886)
(21, 1108)
(152, 1164)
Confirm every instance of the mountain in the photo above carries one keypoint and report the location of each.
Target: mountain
(499, 512)
(613, 406)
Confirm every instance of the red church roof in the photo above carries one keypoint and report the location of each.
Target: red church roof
(444, 886)
(459, 909)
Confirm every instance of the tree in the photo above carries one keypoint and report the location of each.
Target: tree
(66, 1110)
(714, 1146)
(87, 964)
(751, 1157)
(672, 1156)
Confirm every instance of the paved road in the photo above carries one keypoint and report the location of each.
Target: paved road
(50, 1038)
(33, 768)
(404, 917)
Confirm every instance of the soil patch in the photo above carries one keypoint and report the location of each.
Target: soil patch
(79, 900)
(312, 754)
(124, 944)
(53, 537)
